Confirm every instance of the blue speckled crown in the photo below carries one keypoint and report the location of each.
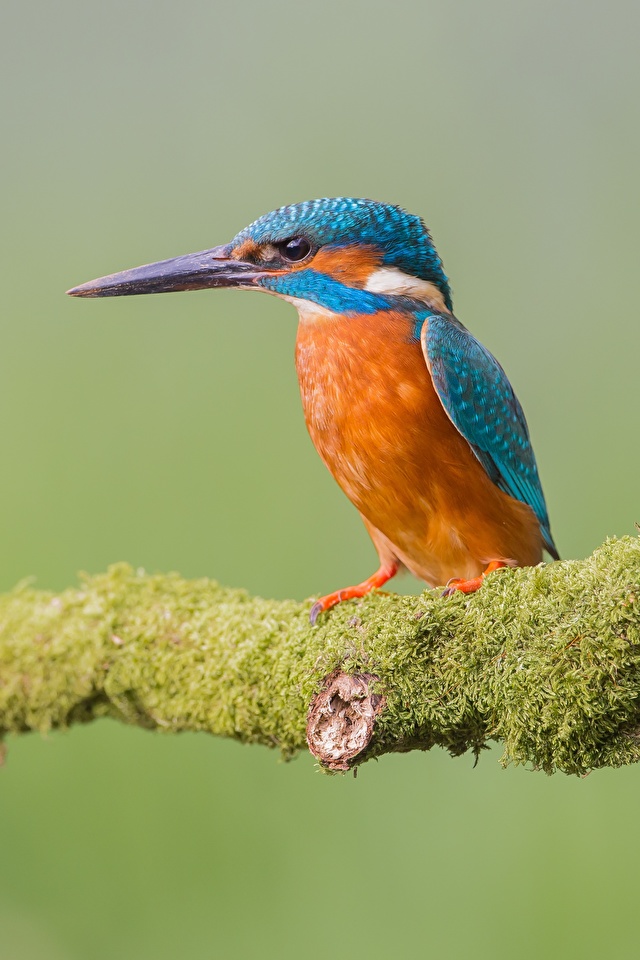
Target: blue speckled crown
(402, 238)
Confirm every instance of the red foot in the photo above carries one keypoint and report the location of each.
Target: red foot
(378, 579)
(470, 586)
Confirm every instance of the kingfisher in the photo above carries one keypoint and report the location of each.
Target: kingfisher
(413, 416)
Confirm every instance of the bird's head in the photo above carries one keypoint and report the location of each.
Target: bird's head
(339, 255)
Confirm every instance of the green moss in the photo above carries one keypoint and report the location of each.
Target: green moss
(545, 659)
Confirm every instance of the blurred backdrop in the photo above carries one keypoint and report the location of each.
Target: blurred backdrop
(167, 432)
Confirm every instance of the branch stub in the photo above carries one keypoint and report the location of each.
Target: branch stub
(341, 718)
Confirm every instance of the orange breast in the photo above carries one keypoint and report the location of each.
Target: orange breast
(378, 424)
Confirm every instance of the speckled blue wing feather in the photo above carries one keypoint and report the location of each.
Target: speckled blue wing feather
(480, 402)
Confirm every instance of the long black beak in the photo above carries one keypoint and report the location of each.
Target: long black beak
(196, 271)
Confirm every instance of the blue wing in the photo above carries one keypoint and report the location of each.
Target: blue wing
(480, 402)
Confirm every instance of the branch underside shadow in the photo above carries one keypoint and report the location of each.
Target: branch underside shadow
(544, 659)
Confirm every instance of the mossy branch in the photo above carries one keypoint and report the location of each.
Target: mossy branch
(545, 659)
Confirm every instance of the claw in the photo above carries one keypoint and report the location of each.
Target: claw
(316, 610)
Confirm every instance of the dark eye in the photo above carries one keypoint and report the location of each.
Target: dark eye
(297, 248)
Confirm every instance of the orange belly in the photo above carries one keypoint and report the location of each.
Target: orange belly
(378, 424)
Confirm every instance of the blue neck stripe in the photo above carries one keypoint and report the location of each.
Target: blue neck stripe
(327, 292)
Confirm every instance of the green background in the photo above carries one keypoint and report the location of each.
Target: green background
(167, 431)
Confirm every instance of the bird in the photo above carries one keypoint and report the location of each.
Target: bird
(414, 417)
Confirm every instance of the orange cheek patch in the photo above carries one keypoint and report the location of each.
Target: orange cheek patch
(350, 265)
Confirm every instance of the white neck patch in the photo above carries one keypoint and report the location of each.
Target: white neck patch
(397, 283)
(308, 311)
